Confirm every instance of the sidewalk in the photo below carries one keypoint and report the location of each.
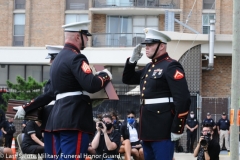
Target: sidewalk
(189, 156)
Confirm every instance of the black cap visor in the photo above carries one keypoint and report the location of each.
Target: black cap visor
(51, 55)
(85, 32)
(151, 41)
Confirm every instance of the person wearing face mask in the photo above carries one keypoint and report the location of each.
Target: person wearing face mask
(116, 123)
(129, 136)
(191, 125)
(106, 141)
(164, 96)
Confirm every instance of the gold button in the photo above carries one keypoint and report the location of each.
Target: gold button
(143, 88)
(178, 131)
(158, 111)
(146, 75)
(154, 77)
(153, 65)
(145, 82)
(180, 119)
(142, 95)
(180, 125)
(155, 60)
(149, 70)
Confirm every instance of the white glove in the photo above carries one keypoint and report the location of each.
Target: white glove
(175, 137)
(107, 71)
(20, 112)
(136, 54)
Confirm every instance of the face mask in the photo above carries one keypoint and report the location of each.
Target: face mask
(192, 115)
(130, 120)
(109, 126)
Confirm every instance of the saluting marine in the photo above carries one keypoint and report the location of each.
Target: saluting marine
(164, 96)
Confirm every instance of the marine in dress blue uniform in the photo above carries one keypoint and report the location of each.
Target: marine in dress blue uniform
(71, 80)
(164, 96)
(191, 125)
(45, 102)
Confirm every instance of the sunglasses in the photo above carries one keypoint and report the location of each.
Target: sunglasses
(131, 117)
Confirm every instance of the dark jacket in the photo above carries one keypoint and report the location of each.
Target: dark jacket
(2, 118)
(162, 78)
(9, 128)
(41, 100)
(125, 130)
(70, 72)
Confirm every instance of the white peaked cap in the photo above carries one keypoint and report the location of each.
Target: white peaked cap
(76, 26)
(53, 51)
(153, 35)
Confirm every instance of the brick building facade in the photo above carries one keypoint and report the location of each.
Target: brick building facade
(40, 24)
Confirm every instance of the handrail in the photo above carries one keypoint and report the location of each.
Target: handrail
(116, 39)
(168, 4)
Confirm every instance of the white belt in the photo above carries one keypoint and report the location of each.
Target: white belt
(52, 103)
(157, 100)
(66, 94)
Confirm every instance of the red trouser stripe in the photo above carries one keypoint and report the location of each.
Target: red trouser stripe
(78, 147)
(53, 146)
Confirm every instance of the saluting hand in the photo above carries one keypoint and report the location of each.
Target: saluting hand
(136, 54)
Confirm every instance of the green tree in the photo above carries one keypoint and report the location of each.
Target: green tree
(22, 90)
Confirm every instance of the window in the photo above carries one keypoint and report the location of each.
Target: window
(208, 4)
(141, 22)
(71, 18)
(206, 22)
(19, 26)
(14, 71)
(20, 4)
(77, 4)
(119, 29)
(46, 72)
(117, 74)
(35, 72)
(128, 30)
(4, 73)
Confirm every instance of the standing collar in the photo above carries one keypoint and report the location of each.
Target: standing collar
(163, 56)
(71, 46)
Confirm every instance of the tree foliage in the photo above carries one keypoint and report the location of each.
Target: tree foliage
(22, 90)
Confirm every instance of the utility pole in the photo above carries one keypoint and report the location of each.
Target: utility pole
(235, 87)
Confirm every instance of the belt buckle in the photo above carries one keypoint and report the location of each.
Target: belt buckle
(142, 101)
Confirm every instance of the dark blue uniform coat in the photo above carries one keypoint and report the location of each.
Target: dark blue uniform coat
(163, 77)
(70, 72)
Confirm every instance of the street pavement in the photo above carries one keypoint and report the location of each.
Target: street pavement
(189, 156)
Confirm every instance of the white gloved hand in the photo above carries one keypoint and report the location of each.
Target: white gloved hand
(20, 112)
(107, 71)
(175, 137)
(136, 54)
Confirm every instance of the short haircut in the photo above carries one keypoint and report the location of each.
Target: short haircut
(107, 116)
(210, 127)
(114, 114)
(130, 112)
